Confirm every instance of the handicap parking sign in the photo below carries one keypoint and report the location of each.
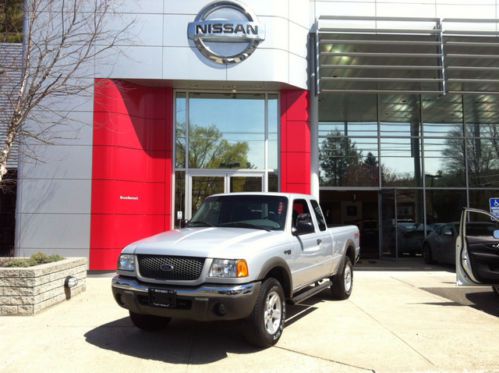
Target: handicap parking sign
(494, 207)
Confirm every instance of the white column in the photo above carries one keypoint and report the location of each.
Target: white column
(314, 136)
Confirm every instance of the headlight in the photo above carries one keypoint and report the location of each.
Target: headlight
(229, 268)
(127, 262)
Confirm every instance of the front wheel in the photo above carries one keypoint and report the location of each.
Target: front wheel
(343, 281)
(496, 289)
(265, 324)
(149, 323)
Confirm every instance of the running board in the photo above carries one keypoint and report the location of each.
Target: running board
(310, 293)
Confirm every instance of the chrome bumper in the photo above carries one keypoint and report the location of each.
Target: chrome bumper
(205, 291)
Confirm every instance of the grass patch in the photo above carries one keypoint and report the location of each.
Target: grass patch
(35, 259)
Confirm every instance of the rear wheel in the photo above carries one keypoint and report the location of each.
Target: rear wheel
(149, 323)
(427, 254)
(265, 324)
(343, 281)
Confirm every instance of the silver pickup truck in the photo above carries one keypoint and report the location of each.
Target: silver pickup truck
(242, 256)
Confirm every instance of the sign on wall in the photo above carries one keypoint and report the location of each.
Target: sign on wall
(494, 207)
(226, 32)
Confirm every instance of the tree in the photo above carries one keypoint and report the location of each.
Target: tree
(11, 21)
(208, 149)
(62, 40)
(342, 163)
(337, 155)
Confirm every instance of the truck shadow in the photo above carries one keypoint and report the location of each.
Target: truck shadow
(183, 342)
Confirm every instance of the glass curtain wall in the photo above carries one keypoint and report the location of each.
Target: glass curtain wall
(224, 142)
(426, 157)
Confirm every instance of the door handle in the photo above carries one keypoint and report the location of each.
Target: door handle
(287, 252)
(319, 241)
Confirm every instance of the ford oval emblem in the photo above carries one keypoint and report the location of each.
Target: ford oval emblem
(166, 267)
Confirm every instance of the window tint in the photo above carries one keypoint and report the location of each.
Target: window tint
(318, 214)
(300, 206)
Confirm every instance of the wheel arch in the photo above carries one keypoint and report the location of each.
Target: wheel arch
(278, 269)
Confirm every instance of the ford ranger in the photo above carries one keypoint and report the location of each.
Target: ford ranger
(241, 256)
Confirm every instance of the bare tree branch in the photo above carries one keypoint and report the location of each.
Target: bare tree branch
(62, 40)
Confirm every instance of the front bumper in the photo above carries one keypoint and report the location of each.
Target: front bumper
(203, 303)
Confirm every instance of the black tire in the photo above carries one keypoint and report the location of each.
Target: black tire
(495, 288)
(427, 254)
(149, 323)
(343, 281)
(270, 298)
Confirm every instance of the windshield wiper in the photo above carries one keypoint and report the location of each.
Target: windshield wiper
(199, 223)
(244, 225)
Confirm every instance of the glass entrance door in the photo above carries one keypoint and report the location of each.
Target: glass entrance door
(202, 187)
(203, 183)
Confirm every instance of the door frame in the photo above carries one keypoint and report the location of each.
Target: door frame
(227, 174)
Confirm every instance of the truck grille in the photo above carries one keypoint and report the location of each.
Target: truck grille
(170, 267)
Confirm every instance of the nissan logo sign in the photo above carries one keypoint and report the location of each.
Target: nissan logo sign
(226, 32)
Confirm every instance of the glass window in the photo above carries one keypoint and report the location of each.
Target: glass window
(444, 153)
(400, 149)
(318, 215)
(180, 129)
(348, 154)
(444, 206)
(300, 206)
(235, 211)
(482, 140)
(226, 130)
(273, 131)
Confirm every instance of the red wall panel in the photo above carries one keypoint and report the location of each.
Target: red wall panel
(295, 142)
(132, 167)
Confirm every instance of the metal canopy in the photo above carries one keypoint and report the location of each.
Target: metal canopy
(405, 55)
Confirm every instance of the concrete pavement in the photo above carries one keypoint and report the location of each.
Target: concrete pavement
(394, 322)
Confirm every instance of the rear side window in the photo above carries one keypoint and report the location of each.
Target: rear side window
(318, 215)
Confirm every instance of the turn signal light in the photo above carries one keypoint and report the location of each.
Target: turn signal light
(242, 268)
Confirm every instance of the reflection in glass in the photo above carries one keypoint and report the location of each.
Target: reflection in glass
(348, 154)
(400, 148)
(226, 130)
(245, 184)
(203, 186)
(273, 182)
(180, 131)
(444, 154)
(479, 199)
(444, 206)
(179, 197)
(273, 127)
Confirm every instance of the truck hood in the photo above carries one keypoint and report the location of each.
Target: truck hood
(211, 242)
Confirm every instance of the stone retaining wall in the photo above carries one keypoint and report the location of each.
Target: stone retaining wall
(27, 291)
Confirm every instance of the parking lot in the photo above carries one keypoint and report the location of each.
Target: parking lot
(395, 320)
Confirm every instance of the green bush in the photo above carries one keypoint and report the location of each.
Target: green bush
(35, 259)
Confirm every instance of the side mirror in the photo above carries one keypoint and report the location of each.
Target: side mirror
(303, 225)
(496, 234)
(183, 223)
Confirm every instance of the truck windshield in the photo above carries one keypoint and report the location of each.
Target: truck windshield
(242, 211)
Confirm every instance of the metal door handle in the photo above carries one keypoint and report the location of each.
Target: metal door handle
(319, 241)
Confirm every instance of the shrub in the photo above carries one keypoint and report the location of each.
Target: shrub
(35, 259)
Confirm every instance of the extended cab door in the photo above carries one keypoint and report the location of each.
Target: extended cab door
(477, 249)
(312, 245)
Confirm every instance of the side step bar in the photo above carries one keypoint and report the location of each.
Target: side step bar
(310, 293)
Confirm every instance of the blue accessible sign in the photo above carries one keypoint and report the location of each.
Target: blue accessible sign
(494, 207)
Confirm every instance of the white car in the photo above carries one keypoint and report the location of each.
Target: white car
(477, 249)
(242, 256)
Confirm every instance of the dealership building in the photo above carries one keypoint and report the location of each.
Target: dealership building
(387, 111)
